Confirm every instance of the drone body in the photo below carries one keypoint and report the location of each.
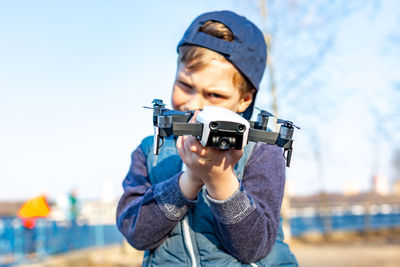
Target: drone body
(223, 128)
(220, 128)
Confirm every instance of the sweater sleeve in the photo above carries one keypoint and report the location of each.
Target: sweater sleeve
(248, 221)
(147, 213)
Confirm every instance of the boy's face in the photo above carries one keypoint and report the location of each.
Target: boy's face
(209, 86)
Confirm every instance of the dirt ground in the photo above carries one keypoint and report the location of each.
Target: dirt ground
(347, 255)
(110, 256)
(381, 248)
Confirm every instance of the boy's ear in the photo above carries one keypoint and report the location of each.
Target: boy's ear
(245, 101)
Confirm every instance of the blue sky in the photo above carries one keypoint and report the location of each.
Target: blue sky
(74, 76)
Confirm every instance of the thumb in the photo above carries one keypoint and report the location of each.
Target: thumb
(193, 119)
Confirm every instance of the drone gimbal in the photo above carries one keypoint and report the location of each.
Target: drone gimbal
(220, 128)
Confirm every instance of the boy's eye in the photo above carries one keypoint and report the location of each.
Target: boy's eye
(185, 86)
(214, 95)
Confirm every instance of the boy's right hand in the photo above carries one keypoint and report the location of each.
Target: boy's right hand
(207, 166)
(189, 183)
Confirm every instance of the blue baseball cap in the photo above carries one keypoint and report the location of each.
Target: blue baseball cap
(247, 52)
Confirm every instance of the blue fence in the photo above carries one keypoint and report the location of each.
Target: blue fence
(323, 224)
(49, 238)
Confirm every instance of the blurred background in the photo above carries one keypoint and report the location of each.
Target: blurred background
(74, 76)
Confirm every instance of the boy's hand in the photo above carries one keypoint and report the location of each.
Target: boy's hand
(214, 167)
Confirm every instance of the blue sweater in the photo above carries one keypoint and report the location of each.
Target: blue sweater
(244, 226)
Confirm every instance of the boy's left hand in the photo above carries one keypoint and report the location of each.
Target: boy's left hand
(213, 166)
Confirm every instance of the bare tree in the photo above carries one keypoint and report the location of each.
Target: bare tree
(299, 34)
(396, 164)
(390, 121)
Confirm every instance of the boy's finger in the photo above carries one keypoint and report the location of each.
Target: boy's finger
(195, 145)
(202, 151)
(180, 147)
(198, 149)
(179, 142)
(185, 144)
(193, 119)
(192, 144)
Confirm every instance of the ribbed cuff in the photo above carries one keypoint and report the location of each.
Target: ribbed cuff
(233, 209)
(171, 200)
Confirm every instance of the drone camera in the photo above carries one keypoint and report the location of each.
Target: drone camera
(214, 126)
(241, 128)
(225, 135)
(224, 142)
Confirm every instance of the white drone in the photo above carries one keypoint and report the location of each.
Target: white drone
(220, 128)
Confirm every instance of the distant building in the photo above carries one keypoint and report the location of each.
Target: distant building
(290, 188)
(396, 187)
(107, 194)
(339, 204)
(10, 208)
(380, 184)
(351, 188)
(99, 212)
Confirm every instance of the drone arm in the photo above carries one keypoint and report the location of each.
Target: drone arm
(262, 136)
(273, 138)
(183, 128)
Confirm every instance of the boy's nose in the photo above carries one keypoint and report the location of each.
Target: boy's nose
(195, 102)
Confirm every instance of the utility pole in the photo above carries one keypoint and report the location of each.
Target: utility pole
(285, 208)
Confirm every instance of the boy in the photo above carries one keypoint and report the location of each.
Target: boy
(223, 209)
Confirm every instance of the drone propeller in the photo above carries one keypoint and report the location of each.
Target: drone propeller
(264, 113)
(262, 119)
(158, 102)
(287, 123)
(147, 107)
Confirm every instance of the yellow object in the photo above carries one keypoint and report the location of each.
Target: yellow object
(34, 208)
